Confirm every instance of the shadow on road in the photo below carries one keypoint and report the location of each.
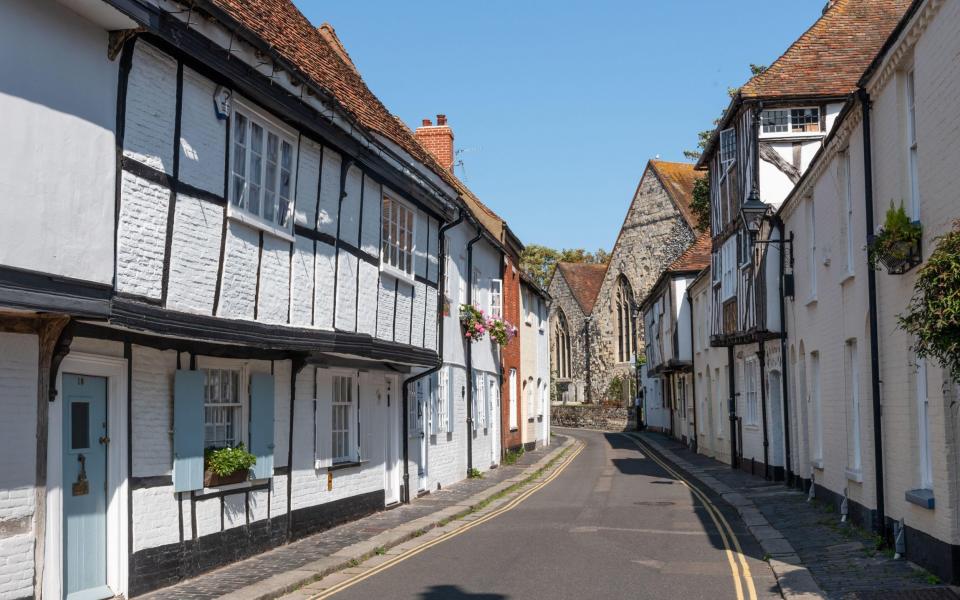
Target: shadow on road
(452, 592)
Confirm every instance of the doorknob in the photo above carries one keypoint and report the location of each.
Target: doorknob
(104, 440)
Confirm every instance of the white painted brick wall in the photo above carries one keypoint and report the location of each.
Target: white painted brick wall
(329, 192)
(239, 285)
(433, 249)
(234, 511)
(367, 298)
(274, 300)
(142, 235)
(16, 567)
(18, 423)
(153, 372)
(350, 206)
(323, 298)
(208, 516)
(419, 308)
(301, 301)
(258, 505)
(423, 235)
(156, 518)
(372, 200)
(308, 179)
(203, 136)
(278, 495)
(151, 108)
(430, 333)
(385, 307)
(401, 326)
(194, 255)
(347, 291)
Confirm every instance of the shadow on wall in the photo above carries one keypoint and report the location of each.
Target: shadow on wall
(452, 592)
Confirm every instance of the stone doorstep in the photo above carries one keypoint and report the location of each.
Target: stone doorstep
(795, 580)
(316, 576)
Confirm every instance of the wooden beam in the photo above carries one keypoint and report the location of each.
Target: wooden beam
(768, 154)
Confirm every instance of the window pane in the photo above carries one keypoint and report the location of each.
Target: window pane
(805, 119)
(775, 121)
(79, 425)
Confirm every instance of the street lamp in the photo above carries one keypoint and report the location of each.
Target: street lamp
(752, 213)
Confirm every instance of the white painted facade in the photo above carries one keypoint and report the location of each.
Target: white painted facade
(534, 366)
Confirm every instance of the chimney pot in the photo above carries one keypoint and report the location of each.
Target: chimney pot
(441, 120)
(427, 123)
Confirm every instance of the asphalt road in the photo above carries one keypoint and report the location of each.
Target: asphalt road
(614, 524)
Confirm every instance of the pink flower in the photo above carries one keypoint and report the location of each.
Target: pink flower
(468, 334)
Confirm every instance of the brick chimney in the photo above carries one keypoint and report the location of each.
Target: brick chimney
(438, 140)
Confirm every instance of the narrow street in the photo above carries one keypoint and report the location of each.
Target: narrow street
(614, 524)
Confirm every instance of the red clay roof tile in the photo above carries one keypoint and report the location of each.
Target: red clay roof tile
(584, 281)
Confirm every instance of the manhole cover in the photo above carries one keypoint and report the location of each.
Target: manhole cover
(655, 503)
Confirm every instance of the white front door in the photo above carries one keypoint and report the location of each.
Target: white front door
(391, 474)
(494, 422)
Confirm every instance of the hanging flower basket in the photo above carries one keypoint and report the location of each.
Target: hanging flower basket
(476, 324)
(897, 245)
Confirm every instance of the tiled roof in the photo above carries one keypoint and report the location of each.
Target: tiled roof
(678, 180)
(828, 59)
(319, 54)
(584, 281)
(694, 258)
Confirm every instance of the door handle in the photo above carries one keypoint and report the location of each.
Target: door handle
(104, 439)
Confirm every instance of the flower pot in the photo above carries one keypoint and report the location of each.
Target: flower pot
(901, 257)
(211, 479)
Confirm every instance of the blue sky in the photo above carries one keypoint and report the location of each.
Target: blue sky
(557, 106)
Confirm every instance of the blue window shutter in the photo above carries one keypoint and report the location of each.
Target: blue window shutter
(261, 424)
(188, 431)
(324, 422)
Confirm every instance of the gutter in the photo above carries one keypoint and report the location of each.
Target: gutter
(469, 357)
(405, 394)
(880, 520)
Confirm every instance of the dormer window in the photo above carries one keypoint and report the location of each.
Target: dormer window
(790, 121)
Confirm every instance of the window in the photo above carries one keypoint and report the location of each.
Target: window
(728, 261)
(623, 317)
(923, 422)
(718, 394)
(812, 248)
(480, 402)
(775, 121)
(912, 148)
(751, 385)
(462, 281)
(853, 406)
(496, 298)
(262, 174)
(561, 346)
(816, 407)
(475, 288)
(531, 399)
(444, 405)
(846, 189)
(342, 419)
(396, 250)
(790, 120)
(513, 399)
(542, 405)
(728, 146)
(222, 408)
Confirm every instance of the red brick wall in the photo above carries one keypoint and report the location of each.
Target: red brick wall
(511, 356)
(437, 140)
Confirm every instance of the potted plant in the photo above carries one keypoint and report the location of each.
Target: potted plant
(897, 245)
(933, 315)
(474, 322)
(223, 466)
(501, 331)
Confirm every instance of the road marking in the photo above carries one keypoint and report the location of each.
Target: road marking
(717, 517)
(589, 529)
(465, 526)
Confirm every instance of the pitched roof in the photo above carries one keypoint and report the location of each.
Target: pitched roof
(584, 281)
(678, 179)
(319, 55)
(828, 59)
(694, 258)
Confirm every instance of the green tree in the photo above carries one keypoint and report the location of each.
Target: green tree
(539, 262)
(701, 202)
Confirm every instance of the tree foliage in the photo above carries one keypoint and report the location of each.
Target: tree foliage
(539, 262)
(701, 202)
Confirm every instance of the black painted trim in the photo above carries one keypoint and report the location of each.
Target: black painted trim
(356, 287)
(143, 483)
(158, 177)
(425, 281)
(52, 293)
(256, 290)
(128, 357)
(172, 204)
(313, 234)
(230, 492)
(223, 228)
(126, 60)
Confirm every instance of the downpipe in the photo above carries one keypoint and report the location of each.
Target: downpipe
(404, 393)
(784, 403)
(469, 349)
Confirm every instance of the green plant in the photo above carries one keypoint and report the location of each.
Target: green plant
(932, 579)
(512, 456)
(475, 473)
(896, 244)
(933, 315)
(700, 202)
(476, 324)
(380, 550)
(227, 461)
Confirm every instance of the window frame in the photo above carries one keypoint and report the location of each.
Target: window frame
(925, 454)
(352, 430)
(513, 418)
(443, 401)
(269, 124)
(751, 369)
(790, 123)
(913, 174)
(243, 393)
(387, 242)
(846, 184)
(853, 397)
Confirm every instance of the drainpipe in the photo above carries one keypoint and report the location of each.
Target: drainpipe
(880, 519)
(469, 356)
(762, 355)
(442, 259)
(586, 357)
(788, 458)
(732, 408)
(693, 376)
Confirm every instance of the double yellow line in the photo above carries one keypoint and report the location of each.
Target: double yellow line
(462, 529)
(734, 555)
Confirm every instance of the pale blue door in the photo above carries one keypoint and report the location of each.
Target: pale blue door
(85, 488)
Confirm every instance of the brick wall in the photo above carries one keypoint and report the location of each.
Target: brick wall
(510, 356)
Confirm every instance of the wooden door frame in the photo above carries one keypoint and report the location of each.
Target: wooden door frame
(114, 369)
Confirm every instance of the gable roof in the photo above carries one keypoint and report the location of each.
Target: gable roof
(828, 59)
(584, 281)
(678, 180)
(319, 55)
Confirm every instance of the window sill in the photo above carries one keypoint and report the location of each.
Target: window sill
(810, 301)
(530, 420)
(792, 137)
(817, 464)
(346, 465)
(751, 427)
(922, 498)
(845, 277)
(397, 273)
(239, 215)
(244, 485)
(514, 429)
(854, 475)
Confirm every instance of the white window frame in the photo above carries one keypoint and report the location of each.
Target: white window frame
(513, 400)
(792, 130)
(811, 217)
(751, 385)
(816, 399)
(443, 400)
(270, 125)
(397, 237)
(925, 454)
(728, 263)
(239, 405)
(462, 282)
(846, 184)
(913, 177)
(852, 359)
(727, 159)
(352, 451)
(496, 298)
(480, 402)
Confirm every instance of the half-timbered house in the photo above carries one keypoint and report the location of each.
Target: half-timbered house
(214, 234)
(765, 140)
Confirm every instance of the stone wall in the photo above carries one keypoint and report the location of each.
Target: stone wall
(592, 416)
(562, 299)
